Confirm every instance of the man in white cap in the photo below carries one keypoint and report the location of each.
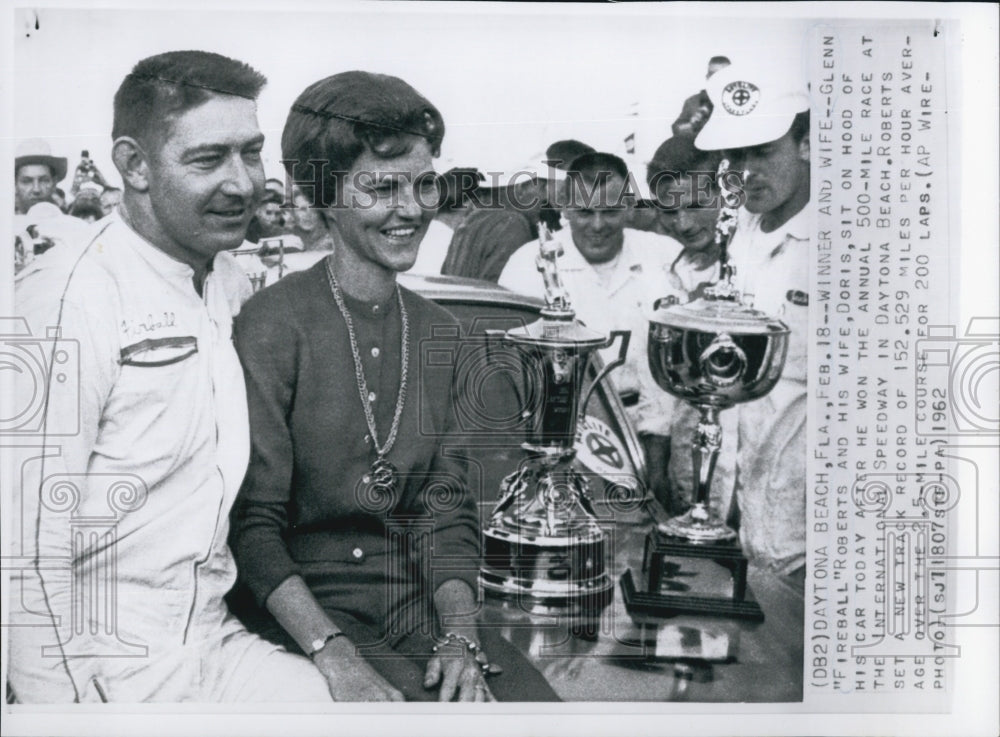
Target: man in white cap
(36, 174)
(613, 275)
(760, 118)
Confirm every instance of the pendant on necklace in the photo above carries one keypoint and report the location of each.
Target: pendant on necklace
(383, 476)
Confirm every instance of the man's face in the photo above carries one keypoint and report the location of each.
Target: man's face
(597, 214)
(110, 199)
(304, 216)
(33, 183)
(269, 213)
(775, 172)
(395, 202)
(206, 177)
(687, 213)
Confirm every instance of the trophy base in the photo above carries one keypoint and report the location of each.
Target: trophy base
(683, 577)
(699, 526)
(544, 548)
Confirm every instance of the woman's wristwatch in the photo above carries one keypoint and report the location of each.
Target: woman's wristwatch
(320, 642)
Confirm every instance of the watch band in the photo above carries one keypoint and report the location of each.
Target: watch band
(320, 642)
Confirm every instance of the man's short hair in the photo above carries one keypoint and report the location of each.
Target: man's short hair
(457, 185)
(589, 171)
(678, 156)
(161, 87)
(590, 166)
(562, 153)
(269, 197)
(337, 118)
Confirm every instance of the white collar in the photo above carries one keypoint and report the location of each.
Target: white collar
(161, 262)
(629, 258)
(796, 228)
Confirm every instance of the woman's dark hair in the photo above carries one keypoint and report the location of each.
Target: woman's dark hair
(336, 119)
(163, 86)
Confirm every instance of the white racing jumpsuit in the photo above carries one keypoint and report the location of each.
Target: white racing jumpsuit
(125, 482)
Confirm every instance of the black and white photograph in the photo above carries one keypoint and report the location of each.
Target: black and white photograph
(606, 366)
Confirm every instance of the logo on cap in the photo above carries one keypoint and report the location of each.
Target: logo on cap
(740, 98)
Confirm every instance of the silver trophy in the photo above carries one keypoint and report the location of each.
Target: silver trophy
(714, 352)
(544, 546)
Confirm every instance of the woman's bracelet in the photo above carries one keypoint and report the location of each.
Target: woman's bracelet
(487, 668)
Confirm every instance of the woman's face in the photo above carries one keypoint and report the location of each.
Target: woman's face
(387, 205)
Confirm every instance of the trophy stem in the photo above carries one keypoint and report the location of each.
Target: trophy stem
(700, 524)
(705, 451)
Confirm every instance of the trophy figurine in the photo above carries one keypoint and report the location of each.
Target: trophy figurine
(544, 546)
(714, 352)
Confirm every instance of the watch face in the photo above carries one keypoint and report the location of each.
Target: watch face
(320, 642)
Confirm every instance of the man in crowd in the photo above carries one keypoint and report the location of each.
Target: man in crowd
(110, 198)
(507, 217)
(613, 275)
(760, 118)
(123, 510)
(267, 220)
(272, 184)
(682, 179)
(36, 174)
(456, 188)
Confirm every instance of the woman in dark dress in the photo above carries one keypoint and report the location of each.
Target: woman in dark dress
(355, 530)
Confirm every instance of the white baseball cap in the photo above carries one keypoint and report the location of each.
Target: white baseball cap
(751, 105)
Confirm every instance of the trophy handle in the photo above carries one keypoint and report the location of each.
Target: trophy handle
(626, 336)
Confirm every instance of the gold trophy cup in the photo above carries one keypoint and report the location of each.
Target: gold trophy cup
(544, 546)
